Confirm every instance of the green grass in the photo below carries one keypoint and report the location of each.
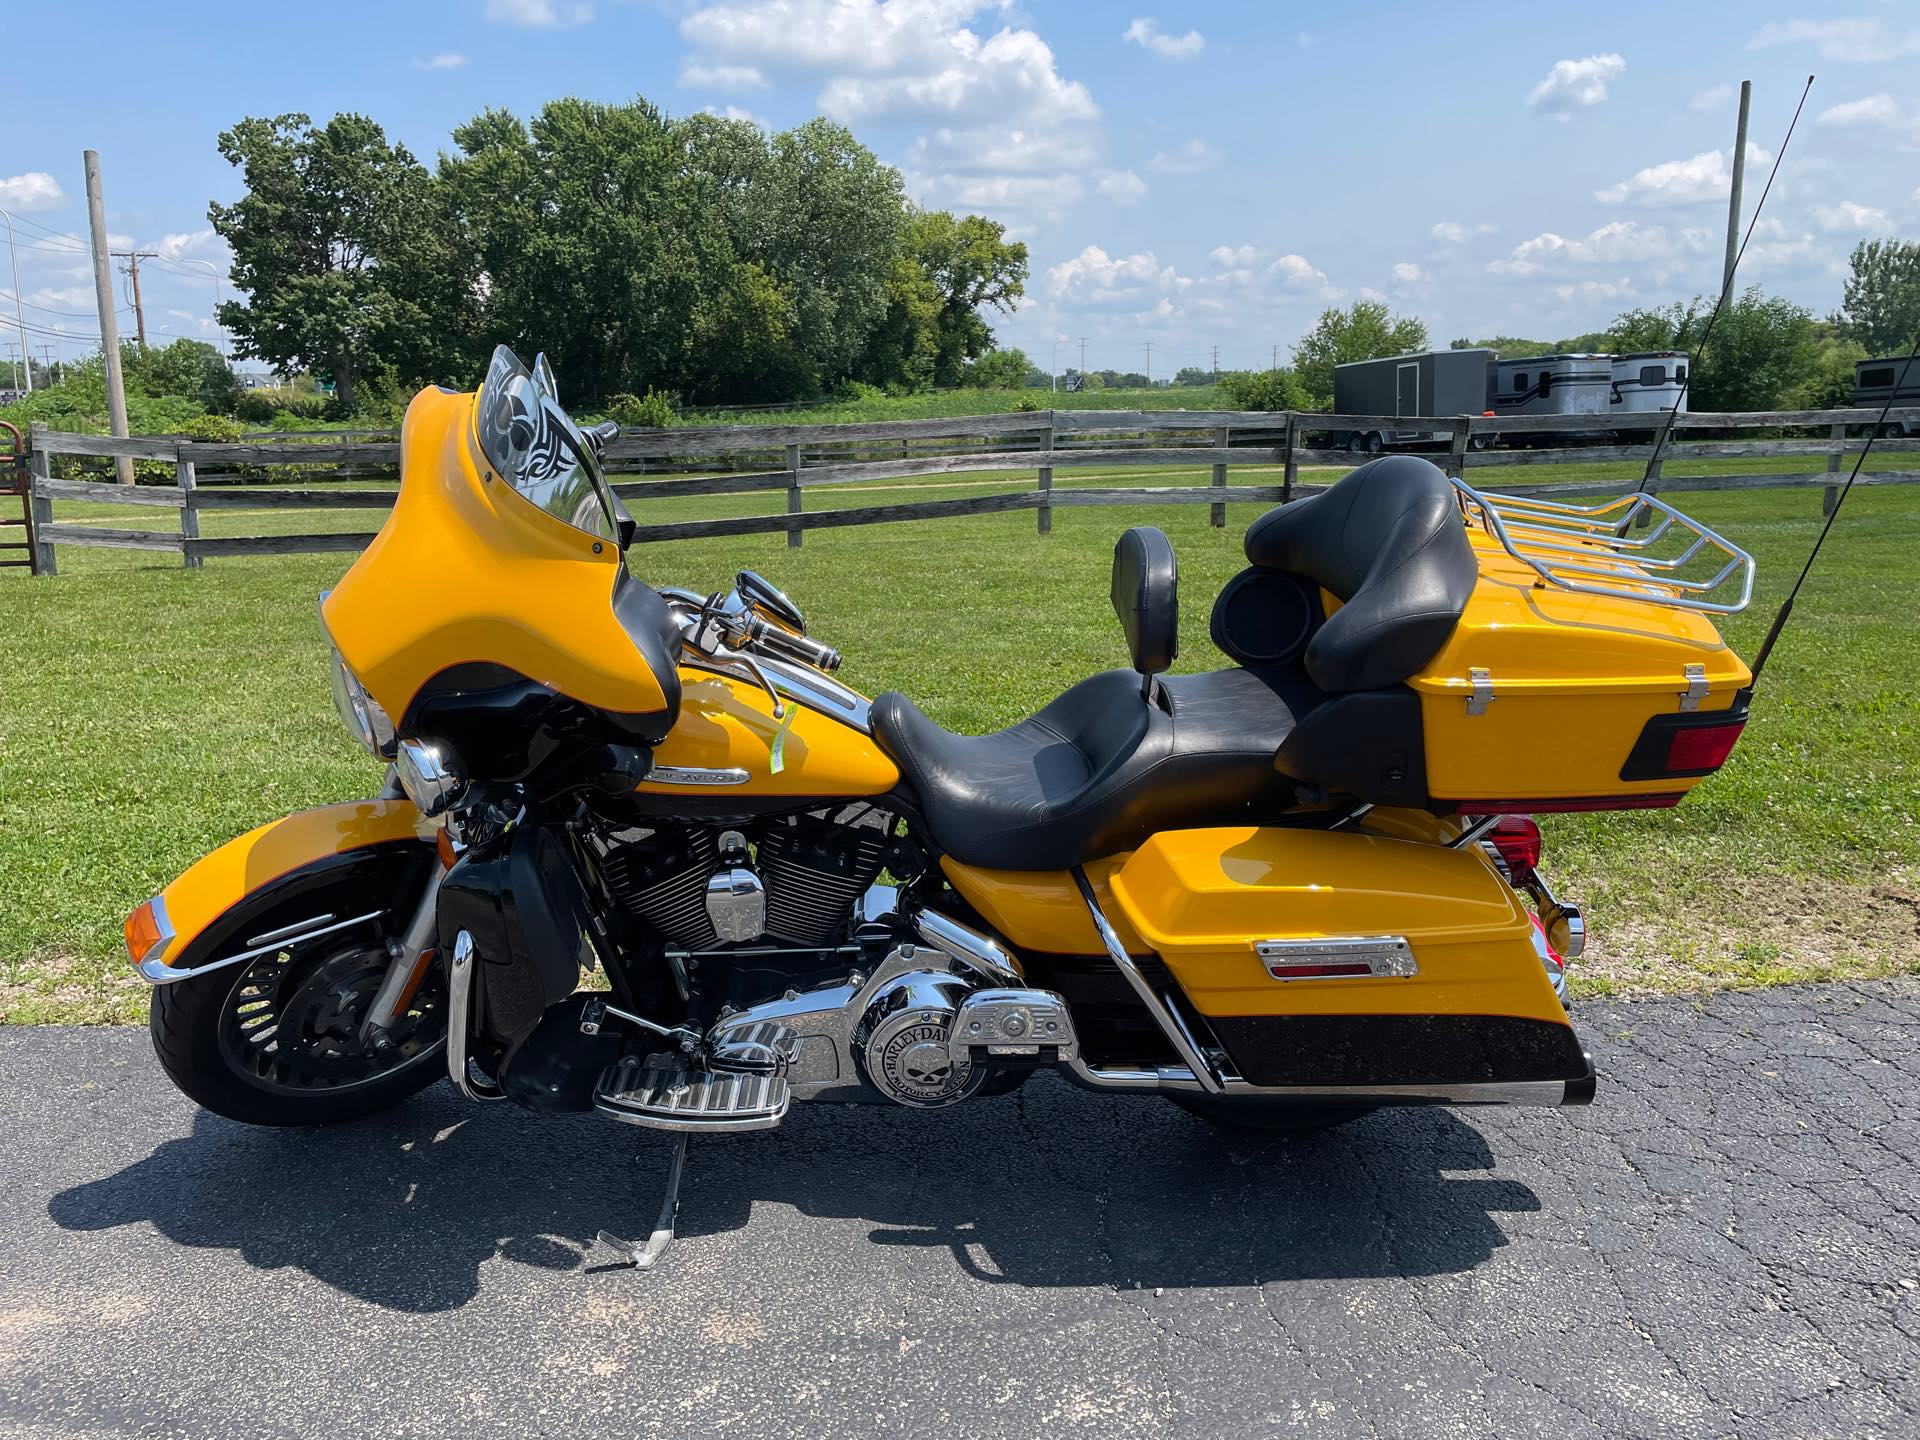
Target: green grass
(148, 713)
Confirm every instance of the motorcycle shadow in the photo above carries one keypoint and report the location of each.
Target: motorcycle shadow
(1048, 1187)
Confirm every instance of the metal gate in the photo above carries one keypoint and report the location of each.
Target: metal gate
(17, 482)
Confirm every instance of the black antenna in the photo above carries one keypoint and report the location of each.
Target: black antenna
(1780, 620)
(1726, 289)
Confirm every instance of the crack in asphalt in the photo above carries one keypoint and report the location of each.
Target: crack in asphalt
(1726, 1243)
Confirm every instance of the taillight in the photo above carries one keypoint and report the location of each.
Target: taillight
(1517, 841)
(1703, 748)
(1691, 744)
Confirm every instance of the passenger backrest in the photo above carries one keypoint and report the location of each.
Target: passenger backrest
(1390, 542)
(1146, 598)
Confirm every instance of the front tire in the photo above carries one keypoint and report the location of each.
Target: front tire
(1265, 1116)
(276, 1042)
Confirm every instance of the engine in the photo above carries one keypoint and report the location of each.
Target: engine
(790, 879)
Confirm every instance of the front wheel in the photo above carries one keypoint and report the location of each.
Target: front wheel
(276, 1039)
(1269, 1116)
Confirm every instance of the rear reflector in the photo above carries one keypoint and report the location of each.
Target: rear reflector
(1686, 744)
(1561, 804)
(145, 930)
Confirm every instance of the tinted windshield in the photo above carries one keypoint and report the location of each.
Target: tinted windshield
(539, 451)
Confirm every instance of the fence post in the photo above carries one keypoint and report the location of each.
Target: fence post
(1044, 515)
(1457, 447)
(1292, 473)
(189, 513)
(1217, 512)
(794, 534)
(1836, 451)
(40, 465)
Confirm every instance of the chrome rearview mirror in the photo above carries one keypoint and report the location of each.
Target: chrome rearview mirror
(769, 599)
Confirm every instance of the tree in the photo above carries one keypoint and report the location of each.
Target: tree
(1263, 390)
(998, 370)
(1760, 350)
(1194, 375)
(190, 369)
(1828, 383)
(341, 249)
(1880, 299)
(1363, 331)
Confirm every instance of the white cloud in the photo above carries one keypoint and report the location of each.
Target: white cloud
(1192, 158)
(1712, 99)
(1841, 39)
(1149, 36)
(1880, 109)
(445, 60)
(1847, 215)
(730, 78)
(736, 112)
(1123, 187)
(1575, 85)
(1297, 272)
(1095, 277)
(1005, 129)
(1408, 273)
(1707, 176)
(188, 244)
(35, 190)
(1452, 232)
(66, 297)
(1596, 290)
(541, 14)
(1234, 256)
(1379, 297)
(1621, 242)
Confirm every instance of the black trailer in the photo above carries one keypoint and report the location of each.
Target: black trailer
(1875, 380)
(1438, 382)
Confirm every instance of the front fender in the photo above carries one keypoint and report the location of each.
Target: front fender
(173, 934)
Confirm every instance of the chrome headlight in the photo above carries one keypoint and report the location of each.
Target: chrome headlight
(360, 712)
(430, 773)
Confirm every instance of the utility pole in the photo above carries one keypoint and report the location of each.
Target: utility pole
(1053, 367)
(1276, 358)
(18, 313)
(50, 357)
(109, 330)
(133, 259)
(1149, 363)
(1083, 362)
(1216, 360)
(13, 366)
(1739, 175)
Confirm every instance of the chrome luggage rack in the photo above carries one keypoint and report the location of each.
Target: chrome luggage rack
(1586, 548)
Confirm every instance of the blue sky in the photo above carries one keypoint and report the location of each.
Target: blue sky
(1187, 176)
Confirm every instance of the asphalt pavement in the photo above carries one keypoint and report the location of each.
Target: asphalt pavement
(1727, 1242)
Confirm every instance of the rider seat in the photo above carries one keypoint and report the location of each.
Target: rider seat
(1125, 754)
(1117, 757)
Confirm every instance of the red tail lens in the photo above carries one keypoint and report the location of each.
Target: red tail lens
(1518, 840)
(1704, 747)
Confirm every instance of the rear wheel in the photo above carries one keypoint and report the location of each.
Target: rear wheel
(277, 1041)
(1268, 1116)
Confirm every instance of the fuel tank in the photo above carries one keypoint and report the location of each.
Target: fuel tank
(727, 742)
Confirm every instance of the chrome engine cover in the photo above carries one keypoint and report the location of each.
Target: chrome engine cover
(903, 1043)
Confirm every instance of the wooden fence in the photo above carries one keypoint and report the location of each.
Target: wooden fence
(796, 459)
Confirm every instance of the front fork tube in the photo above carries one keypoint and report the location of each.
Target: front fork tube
(409, 958)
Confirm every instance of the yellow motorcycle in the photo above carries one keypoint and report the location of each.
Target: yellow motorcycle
(1280, 893)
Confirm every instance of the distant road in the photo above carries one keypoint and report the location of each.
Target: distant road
(1728, 1243)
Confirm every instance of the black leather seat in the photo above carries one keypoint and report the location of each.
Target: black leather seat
(1100, 769)
(1388, 540)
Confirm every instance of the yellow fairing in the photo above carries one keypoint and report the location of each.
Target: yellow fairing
(726, 724)
(221, 880)
(1204, 898)
(1574, 679)
(468, 570)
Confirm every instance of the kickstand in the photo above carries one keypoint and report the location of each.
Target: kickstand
(644, 1256)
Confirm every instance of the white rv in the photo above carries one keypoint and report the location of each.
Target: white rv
(1649, 382)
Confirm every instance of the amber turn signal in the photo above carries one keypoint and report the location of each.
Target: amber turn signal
(145, 930)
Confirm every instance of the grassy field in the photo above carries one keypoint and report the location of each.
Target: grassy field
(148, 713)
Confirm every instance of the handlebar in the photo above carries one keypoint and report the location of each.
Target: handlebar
(789, 646)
